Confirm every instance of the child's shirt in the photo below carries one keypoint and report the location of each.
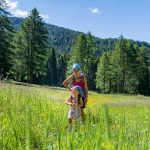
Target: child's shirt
(75, 111)
(73, 100)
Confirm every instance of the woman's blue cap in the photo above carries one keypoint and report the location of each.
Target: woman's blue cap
(76, 67)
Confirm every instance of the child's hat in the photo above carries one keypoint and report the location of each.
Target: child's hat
(79, 89)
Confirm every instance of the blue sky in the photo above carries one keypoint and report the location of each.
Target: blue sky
(104, 18)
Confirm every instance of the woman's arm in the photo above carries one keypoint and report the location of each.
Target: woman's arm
(65, 83)
(86, 89)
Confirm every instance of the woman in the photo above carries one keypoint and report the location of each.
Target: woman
(78, 79)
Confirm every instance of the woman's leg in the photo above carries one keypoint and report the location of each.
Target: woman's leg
(82, 114)
(70, 121)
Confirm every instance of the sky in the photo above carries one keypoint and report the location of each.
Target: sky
(103, 18)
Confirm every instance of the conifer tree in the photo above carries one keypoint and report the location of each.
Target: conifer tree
(53, 68)
(103, 74)
(83, 53)
(32, 43)
(119, 66)
(143, 72)
(61, 68)
(6, 34)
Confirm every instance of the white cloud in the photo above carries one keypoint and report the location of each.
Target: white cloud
(13, 7)
(20, 13)
(12, 4)
(94, 10)
(44, 16)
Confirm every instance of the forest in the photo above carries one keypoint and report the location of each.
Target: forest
(33, 51)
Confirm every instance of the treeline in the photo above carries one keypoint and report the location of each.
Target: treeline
(32, 54)
(25, 54)
(62, 39)
(124, 70)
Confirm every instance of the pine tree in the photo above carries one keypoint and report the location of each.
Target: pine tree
(131, 78)
(61, 68)
(53, 67)
(90, 61)
(19, 68)
(33, 45)
(6, 34)
(79, 50)
(119, 66)
(83, 54)
(77, 54)
(48, 68)
(143, 72)
(103, 76)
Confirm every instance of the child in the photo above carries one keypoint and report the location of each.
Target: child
(75, 102)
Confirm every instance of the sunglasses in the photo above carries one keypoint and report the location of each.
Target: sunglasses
(74, 70)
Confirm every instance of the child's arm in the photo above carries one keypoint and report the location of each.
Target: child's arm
(68, 102)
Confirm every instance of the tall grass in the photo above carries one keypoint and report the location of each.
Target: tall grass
(34, 122)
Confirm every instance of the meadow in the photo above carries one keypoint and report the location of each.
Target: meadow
(35, 118)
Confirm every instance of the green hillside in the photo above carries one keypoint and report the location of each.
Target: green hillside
(62, 39)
